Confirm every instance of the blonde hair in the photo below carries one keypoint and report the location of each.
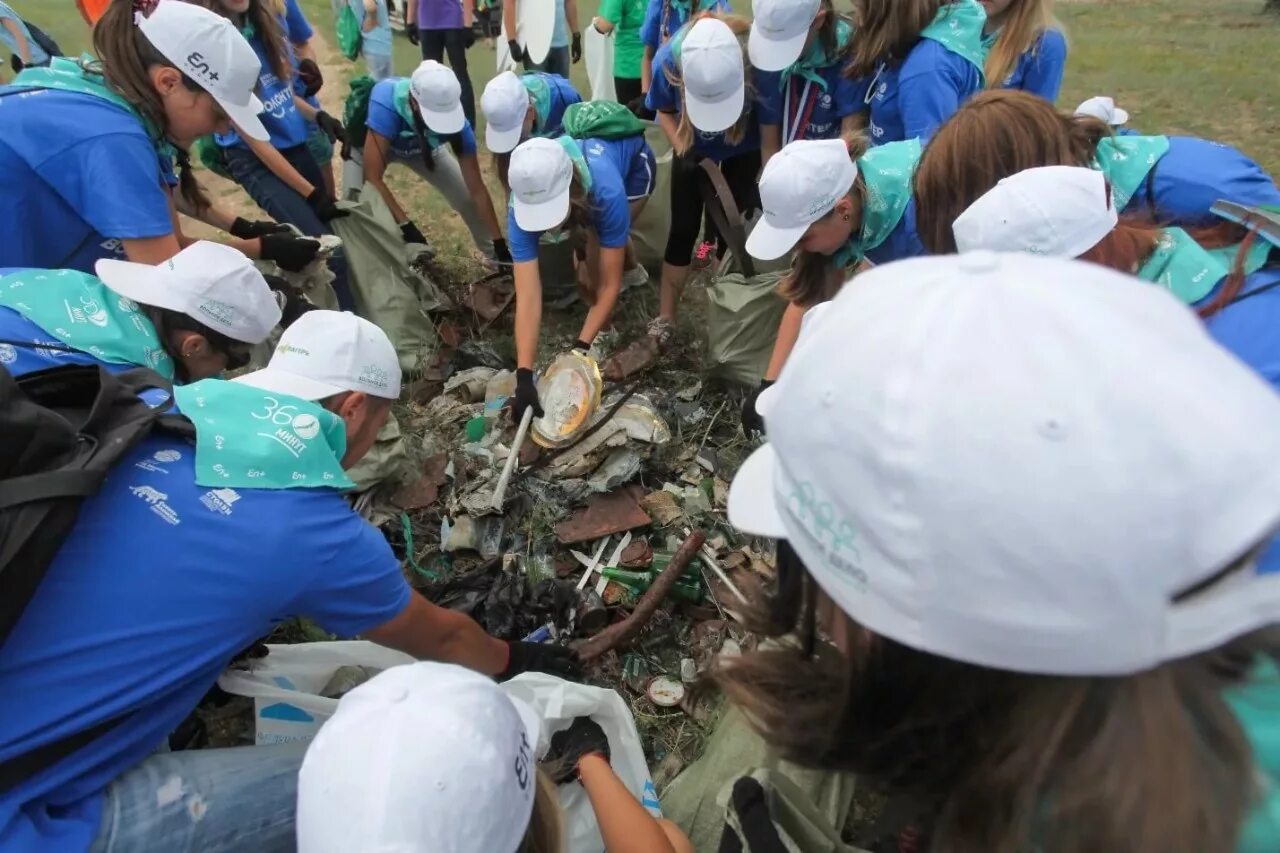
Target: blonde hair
(735, 134)
(546, 824)
(1026, 20)
(885, 29)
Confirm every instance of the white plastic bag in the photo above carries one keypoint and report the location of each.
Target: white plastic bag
(285, 685)
(558, 702)
(598, 50)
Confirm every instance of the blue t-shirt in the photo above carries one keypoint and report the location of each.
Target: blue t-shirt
(653, 35)
(912, 99)
(296, 27)
(377, 41)
(562, 94)
(665, 98)
(77, 175)
(610, 215)
(903, 241)
(38, 55)
(159, 585)
(386, 122)
(1193, 175)
(560, 33)
(624, 155)
(20, 361)
(826, 108)
(287, 127)
(1039, 70)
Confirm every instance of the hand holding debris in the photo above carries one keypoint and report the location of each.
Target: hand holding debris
(583, 737)
(526, 395)
(540, 657)
(752, 421)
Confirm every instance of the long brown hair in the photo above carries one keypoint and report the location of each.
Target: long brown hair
(996, 134)
(1024, 23)
(887, 29)
(1154, 762)
(736, 133)
(263, 16)
(546, 824)
(125, 58)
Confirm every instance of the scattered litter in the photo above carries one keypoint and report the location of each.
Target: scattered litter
(347, 678)
(570, 390)
(470, 385)
(689, 394)
(665, 691)
(662, 505)
(603, 515)
(688, 670)
(505, 603)
(423, 491)
(639, 355)
(489, 297)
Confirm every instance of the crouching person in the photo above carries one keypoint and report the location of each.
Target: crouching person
(186, 555)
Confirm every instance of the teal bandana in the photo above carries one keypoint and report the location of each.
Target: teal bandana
(1254, 703)
(400, 100)
(815, 59)
(80, 311)
(250, 438)
(540, 91)
(1180, 265)
(886, 172)
(1255, 259)
(1126, 161)
(958, 28)
(570, 146)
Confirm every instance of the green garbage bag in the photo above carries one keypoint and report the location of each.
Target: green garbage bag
(355, 111)
(384, 461)
(601, 119)
(388, 291)
(210, 156)
(742, 324)
(649, 230)
(349, 36)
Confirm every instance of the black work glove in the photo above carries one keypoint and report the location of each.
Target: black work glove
(292, 304)
(540, 657)
(759, 835)
(247, 229)
(309, 74)
(526, 395)
(639, 109)
(468, 38)
(331, 126)
(325, 207)
(752, 423)
(575, 50)
(411, 33)
(516, 53)
(584, 737)
(581, 346)
(289, 250)
(501, 253)
(411, 233)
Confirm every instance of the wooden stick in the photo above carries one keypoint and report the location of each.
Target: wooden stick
(623, 632)
(500, 493)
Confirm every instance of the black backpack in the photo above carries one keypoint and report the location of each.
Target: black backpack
(61, 431)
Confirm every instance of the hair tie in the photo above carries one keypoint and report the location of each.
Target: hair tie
(143, 9)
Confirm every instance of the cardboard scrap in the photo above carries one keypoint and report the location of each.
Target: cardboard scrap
(603, 516)
(663, 506)
(423, 491)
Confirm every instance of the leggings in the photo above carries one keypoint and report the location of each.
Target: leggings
(435, 44)
(739, 172)
(626, 89)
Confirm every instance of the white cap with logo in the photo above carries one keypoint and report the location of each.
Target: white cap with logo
(799, 185)
(1102, 107)
(211, 51)
(1033, 464)
(540, 175)
(713, 75)
(213, 284)
(1059, 211)
(779, 29)
(330, 352)
(426, 757)
(438, 94)
(505, 103)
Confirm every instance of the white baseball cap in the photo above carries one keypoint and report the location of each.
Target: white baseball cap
(439, 96)
(427, 757)
(1031, 465)
(1100, 106)
(330, 352)
(211, 283)
(779, 30)
(1059, 211)
(505, 103)
(800, 185)
(713, 75)
(211, 51)
(540, 175)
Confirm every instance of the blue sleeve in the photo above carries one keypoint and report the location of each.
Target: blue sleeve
(1197, 172)
(929, 89)
(609, 205)
(523, 244)
(353, 580)
(662, 96)
(851, 95)
(468, 138)
(650, 32)
(1045, 66)
(296, 27)
(768, 96)
(113, 182)
(383, 119)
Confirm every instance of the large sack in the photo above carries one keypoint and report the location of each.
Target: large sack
(649, 231)
(742, 324)
(384, 460)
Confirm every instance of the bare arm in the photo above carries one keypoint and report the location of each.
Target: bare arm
(624, 824)
(375, 168)
(509, 18)
(152, 250)
(528, 312)
(608, 287)
(671, 127)
(280, 167)
(429, 632)
(411, 15)
(370, 16)
(571, 15)
(788, 334)
(308, 112)
(305, 50)
(770, 142)
(468, 13)
(646, 70)
(480, 194)
(19, 38)
(602, 25)
(212, 215)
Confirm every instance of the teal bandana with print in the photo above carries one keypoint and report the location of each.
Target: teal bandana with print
(400, 100)
(80, 311)
(958, 28)
(1255, 259)
(254, 439)
(570, 146)
(1183, 267)
(1254, 702)
(1126, 161)
(540, 91)
(811, 63)
(886, 172)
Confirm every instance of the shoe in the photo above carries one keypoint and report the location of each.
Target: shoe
(637, 277)
(704, 255)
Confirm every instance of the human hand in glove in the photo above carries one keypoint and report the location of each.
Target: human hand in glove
(292, 304)
(247, 229)
(754, 829)
(309, 74)
(502, 253)
(540, 657)
(752, 422)
(584, 737)
(639, 109)
(411, 33)
(411, 233)
(331, 126)
(575, 50)
(288, 250)
(325, 207)
(526, 396)
(468, 38)
(516, 53)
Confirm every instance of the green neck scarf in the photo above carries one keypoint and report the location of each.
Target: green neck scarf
(540, 91)
(80, 311)
(1254, 703)
(570, 146)
(1126, 161)
(886, 172)
(1255, 259)
(400, 100)
(253, 439)
(1184, 268)
(811, 63)
(958, 28)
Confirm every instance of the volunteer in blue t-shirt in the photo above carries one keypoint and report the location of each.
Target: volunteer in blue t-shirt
(517, 107)
(419, 122)
(280, 173)
(662, 20)
(566, 39)
(1026, 47)
(189, 318)
(699, 95)
(915, 78)
(88, 147)
(839, 204)
(797, 50)
(1104, 109)
(554, 186)
(24, 49)
(188, 554)
(1170, 180)
(307, 83)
